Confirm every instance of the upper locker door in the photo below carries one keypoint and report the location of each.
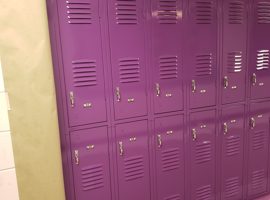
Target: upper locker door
(202, 52)
(202, 154)
(167, 55)
(170, 157)
(82, 59)
(234, 53)
(258, 148)
(133, 161)
(232, 152)
(127, 38)
(259, 50)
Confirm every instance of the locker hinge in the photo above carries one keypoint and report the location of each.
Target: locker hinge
(71, 94)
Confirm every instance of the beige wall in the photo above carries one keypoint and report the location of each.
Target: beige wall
(28, 76)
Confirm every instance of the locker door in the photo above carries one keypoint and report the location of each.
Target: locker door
(133, 160)
(202, 52)
(259, 50)
(232, 155)
(202, 154)
(170, 157)
(90, 163)
(126, 23)
(258, 148)
(167, 55)
(82, 59)
(234, 53)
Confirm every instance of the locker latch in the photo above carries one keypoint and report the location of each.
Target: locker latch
(194, 134)
(72, 99)
(76, 156)
(118, 94)
(121, 148)
(225, 128)
(254, 79)
(157, 89)
(169, 132)
(193, 86)
(159, 141)
(252, 123)
(226, 82)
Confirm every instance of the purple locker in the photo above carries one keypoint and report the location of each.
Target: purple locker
(82, 59)
(167, 55)
(126, 23)
(232, 154)
(133, 160)
(202, 52)
(259, 71)
(90, 163)
(202, 154)
(170, 157)
(234, 54)
(258, 148)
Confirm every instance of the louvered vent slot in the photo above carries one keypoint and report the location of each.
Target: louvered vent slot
(168, 67)
(264, 13)
(259, 140)
(126, 12)
(232, 187)
(233, 145)
(204, 12)
(173, 197)
(134, 168)
(84, 73)
(234, 62)
(203, 152)
(129, 70)
(258, 179)
(236, 12)
(79, 12)
(167, 12)
(92, 177)
(204, 65)
(203, 193)
(262, 59)
(170, 159)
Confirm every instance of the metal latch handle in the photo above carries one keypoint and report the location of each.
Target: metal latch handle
(226, 83)
(118, 94)
(194, 134)
(71, 94)
(193, 86)
(157, 89)
(76, 156)
(254, 79)
(225, 128)
(252, 123)
(159, 141)
(121, 148)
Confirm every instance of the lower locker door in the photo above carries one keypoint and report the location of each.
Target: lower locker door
(133, 161)
(202, 155)
(170, 158)
(232, 154)
(91, 164)
(258, 148)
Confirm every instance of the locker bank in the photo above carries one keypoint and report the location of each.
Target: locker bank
(162, 99)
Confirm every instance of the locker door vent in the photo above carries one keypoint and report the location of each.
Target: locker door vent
(79, 12)
(92, 177)
(129, 70)
(168, 67)
(167, 12)
(264, 13)
(170, 159)
(203, 152)
(234, 62)
(126, 12)
(262, 59)
(134, 168)
(204, 12)
(236, 12)
(203, 193)
(84, 73)
(258, 179)
(232, 187)
(233, 145)
(259, 140)
(173, 197)
(204, 65)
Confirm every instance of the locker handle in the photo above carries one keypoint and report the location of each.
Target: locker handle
(254, 79)
(76, 156)
(252, 123)
(121, 148)
(118, 94)
(71, 94)
(226, 83)
(194, 134)
(157, 89)
(225, 128)
(193, 86)
(159, 141)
